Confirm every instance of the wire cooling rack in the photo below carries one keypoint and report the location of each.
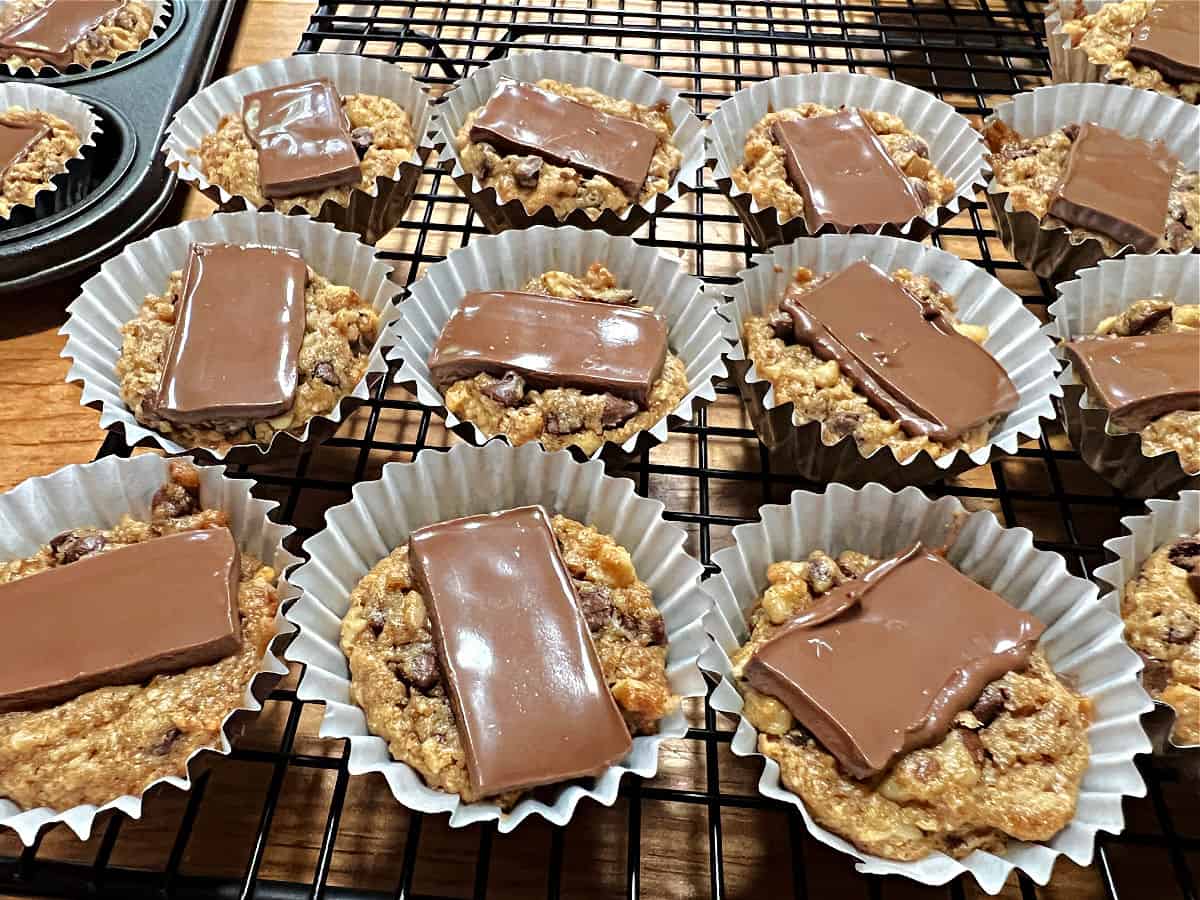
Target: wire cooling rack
(281, 818)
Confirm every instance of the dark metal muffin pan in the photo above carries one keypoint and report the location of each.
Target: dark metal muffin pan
(135, 97)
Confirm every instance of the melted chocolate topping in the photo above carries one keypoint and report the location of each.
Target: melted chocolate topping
(16, 140)
(119, 617)
(882, 664)
(553, 343)
(51, 32)
(239, 324)
(844, 172)
(524, 680)
(1168, 40)
(523, 118)
(1117, 186)
(899, 352)
(1140, 378)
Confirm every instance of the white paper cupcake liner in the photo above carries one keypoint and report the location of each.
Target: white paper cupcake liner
(1082, 303)
(508, 260)
(99, 494)
(1082, 641)
(465, 481)
(954, 146)
(160, 14)
(592, 70)
(71, 185)
(113, 297)
(1168, 520)
(1054, 252)
(373, 213)
(1013, 340)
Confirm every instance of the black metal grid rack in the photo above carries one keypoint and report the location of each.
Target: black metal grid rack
(712, 474)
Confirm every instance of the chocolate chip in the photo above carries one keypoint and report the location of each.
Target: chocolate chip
(1180, 634)
(974, 744)
(1016, 151)
(125, 19)
(421, 669)
(1155, 673)
(916, 145)
(323, 371)
(652, 629)
(97, 43)
(527, 171)
(561, 422)
(617, 411)
(487, 160)
(362, 138)
(782, 325)
(922, 190)
(595, 602)
(1071, 131)
(71, 546)
(990, 704)
(163, 747)
(375, 621)
(173, 501)
(508, 391)
(1185, 554)
(1178, 236)
(842, 424)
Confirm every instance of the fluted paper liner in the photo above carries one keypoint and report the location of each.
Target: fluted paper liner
(955, 147)
(372, 213)
(160, 14)
(1082, 641)
(98, 494)
(1097, 293)
(1013, 340)
(113, 297)
(465, 481)
(1054, 252)
(1167, 521)
(592, 70)
(71, 185)
(508, 260)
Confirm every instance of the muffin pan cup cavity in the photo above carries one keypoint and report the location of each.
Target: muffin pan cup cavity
(955, 147)
(98, 494)
(1013, 340)
(161, 13)
(113, 297)
(507, 261)
(1099, 292)
(592, 70)
(1053, 252)
(465, 481)
(371, 214)
(1082, 641)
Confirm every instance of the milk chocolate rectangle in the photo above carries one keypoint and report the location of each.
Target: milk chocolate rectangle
(16, 140)
(1168, 40)
(882, 664)
(51, 32)
(523, 118)
(239, 324)
(302, 136)
(119, 617)
(1117, 186)
(904, 356)
(1140, 378)
(844, 173)
(528, 693)
(552, 343)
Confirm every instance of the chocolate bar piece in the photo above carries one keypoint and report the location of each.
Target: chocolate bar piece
(884, 663)
(905, 356)
(552, 343)
(238, 329)
(1117, 186)
(528, 693)
(523, 118)
(1140, 378)
(16, 140)
(1168, 40)
(119, 617)
(302, 136)
(51, 32)
(844, 172)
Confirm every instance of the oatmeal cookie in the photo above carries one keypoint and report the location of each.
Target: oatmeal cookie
(1010, 766)
(381, 131)
(763, 173)
(339, 332)
(566, 417)
(44, 160)
(537, 183)
(122, 32)
(1161, 609)
(116, 740)
(394, 671)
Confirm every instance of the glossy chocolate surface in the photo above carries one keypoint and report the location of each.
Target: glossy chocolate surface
(51, 32)
(882, 664)
(905, 357)
(17, 140)
(1117, 186)
(523, 118)
(302, 136)
(239, 324)
(119, 617)
(1140, 378)
(552, 343)
(844, 172)
(1168, 40)
(528, 693)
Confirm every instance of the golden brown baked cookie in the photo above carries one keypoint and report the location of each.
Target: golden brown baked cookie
(394, 672)
(122, 32)
(44, 160)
